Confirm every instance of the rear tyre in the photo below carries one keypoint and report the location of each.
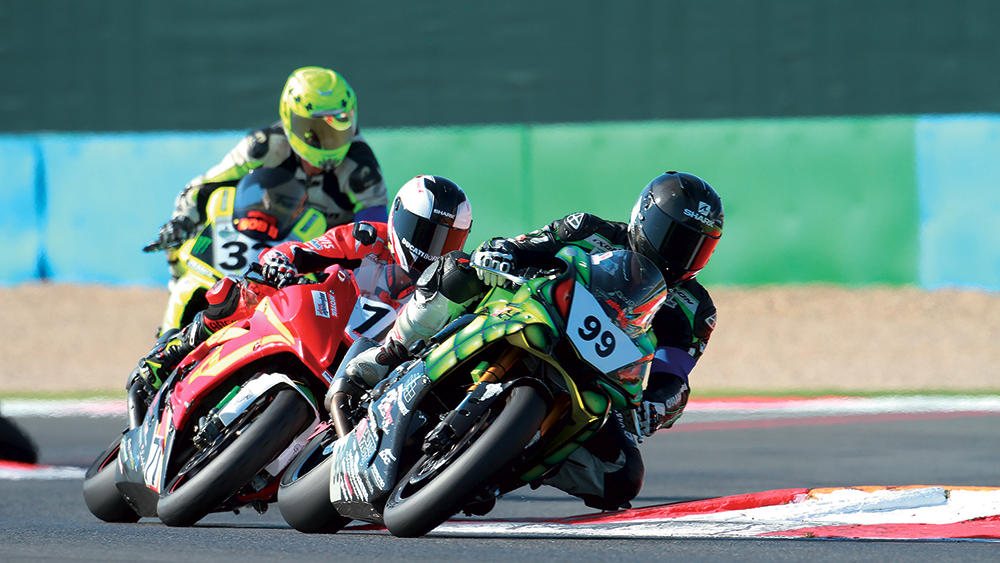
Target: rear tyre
(304, 494)
(258, 441)
(100, 492)
(438, 486)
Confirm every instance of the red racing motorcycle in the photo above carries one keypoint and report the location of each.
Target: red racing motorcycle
(220, 431)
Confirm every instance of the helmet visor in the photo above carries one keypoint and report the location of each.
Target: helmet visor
(680, 246)
(327, 132)
(424, 239)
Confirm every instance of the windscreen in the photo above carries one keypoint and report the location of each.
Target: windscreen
(629, 288)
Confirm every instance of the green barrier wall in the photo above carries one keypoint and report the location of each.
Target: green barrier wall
(806, 200)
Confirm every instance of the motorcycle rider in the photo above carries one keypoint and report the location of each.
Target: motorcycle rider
(430, 217)
(676, 223)
(317, 139)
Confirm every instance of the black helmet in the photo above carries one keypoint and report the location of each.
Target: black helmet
(268, 204)
(676, 223)
(429, 218)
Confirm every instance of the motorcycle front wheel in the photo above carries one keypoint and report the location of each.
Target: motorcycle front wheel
(439, 485)
(304, 493)
(248, 447)
(100, 492)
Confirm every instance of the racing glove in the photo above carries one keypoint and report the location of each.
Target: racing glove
(278, 268)
(495, 257)
(175, 231)
(651, 416)
(662, 408)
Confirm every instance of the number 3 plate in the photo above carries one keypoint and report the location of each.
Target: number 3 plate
(598, 340)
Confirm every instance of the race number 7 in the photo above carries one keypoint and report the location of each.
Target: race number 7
(371, 318)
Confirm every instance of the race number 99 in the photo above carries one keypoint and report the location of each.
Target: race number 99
(591, 329)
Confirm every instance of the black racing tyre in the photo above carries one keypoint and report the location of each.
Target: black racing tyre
(435, 488)
(15, 444)
(100, 492)
(258, 440)
(304, 493)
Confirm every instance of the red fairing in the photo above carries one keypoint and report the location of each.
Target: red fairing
(308, 321)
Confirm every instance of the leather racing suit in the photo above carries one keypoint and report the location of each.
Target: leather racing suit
(353, 191)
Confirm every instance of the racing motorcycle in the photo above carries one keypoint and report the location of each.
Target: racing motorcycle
(236, 410)
(496, 400)
(267, 207)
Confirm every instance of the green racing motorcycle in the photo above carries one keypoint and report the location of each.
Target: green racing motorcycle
(496, 400)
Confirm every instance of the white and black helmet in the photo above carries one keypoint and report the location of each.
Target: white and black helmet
(429, 218)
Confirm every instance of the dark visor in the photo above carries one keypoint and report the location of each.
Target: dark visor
(678, 244)
(429, 240)
(318, 133)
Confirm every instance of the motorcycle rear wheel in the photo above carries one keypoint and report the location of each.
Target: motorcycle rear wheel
(100, 492)
(258, 441)
(436, 488)
(304, 493)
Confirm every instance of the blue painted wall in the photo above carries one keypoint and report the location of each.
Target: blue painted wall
(958, 165)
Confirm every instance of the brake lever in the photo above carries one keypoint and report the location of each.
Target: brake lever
(506, 275)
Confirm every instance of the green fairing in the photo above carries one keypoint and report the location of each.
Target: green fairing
(502, 314)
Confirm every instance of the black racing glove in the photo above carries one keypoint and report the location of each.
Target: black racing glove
(175, 231)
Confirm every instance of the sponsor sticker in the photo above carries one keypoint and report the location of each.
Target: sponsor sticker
(321, 304)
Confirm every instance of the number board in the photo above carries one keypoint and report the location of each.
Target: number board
(234, 251)
(597, 339)
(371, 318)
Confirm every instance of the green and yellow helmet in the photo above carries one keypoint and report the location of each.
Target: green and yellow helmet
(319, 112)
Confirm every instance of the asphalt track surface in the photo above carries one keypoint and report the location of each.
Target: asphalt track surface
(46, 520)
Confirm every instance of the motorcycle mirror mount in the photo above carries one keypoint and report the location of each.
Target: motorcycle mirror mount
(364, 233)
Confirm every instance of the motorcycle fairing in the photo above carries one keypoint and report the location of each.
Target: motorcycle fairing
(142, 456)
(365, 467)
(145, 451)
(264, 334)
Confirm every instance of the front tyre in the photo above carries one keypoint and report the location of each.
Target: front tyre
(304, 494)
(100, 492)
(437, 487)
(257, 441)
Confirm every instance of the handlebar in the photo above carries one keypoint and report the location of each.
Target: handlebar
(155, 245)
(526, 274)
(255, 274)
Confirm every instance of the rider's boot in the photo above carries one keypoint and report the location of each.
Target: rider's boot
(225, 305)
(164, 357)
(421, 317)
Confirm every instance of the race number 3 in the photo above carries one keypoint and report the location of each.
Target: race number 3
(238, 256)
